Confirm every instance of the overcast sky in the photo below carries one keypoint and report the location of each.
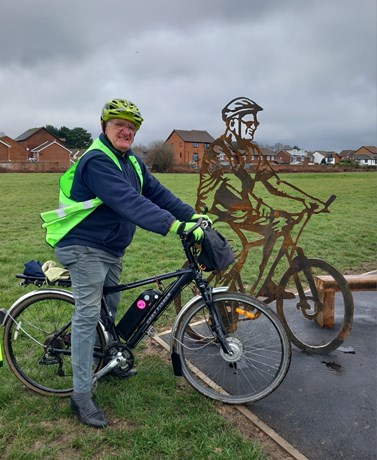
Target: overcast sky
(311, 65)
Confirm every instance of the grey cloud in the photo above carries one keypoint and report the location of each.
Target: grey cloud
(311, 65)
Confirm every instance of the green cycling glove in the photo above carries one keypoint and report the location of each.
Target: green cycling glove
(195, 217)
(179, 227)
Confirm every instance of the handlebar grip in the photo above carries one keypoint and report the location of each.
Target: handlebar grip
(330, 200)
(197, 225)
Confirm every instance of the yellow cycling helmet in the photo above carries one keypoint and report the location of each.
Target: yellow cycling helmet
(121, 108)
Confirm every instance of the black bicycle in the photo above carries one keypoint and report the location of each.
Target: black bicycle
(229, 346)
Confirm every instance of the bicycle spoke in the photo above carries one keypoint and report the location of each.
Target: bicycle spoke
(261, 352)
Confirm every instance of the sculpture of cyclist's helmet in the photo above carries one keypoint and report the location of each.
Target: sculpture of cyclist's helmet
(240, 116)
(121, 108)
(239, 107)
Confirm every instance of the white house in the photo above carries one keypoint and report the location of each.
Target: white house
(297, 155)
(324, 157)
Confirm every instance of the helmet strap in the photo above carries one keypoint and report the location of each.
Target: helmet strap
(103, 125)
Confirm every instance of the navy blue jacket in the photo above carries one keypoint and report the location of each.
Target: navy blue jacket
(112, 225)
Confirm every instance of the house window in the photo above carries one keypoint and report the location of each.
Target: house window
(195, 157)
(196, 144)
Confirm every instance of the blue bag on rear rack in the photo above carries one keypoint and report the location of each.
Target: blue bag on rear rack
(33, 268)
(216, 254)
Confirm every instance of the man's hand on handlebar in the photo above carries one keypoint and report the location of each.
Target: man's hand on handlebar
(204, 217)
(193, 230)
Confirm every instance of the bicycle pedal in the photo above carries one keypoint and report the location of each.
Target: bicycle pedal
(49, 360)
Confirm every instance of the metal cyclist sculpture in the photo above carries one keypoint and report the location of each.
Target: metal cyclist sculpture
(242, 198)
(239, 187)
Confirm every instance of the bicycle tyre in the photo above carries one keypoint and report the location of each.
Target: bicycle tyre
(308, 335)
(28, 330)
(261, 357)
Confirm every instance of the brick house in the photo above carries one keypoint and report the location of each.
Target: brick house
(189, 146)
(346, 155)
(11, 151)
(43, 146)
(270, 155)
(366, 155)
(283, 157)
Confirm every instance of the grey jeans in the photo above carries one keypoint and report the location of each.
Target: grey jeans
(90, 270)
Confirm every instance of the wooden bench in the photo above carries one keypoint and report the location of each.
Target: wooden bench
(327, 288)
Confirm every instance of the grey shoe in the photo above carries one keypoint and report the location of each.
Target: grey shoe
(89, 412)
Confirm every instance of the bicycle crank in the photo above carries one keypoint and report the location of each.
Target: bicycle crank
(118, 359)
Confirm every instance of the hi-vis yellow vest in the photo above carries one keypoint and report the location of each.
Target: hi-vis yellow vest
(70, 213)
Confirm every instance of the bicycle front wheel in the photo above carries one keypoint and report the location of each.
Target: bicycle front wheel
(261, 349)
(304, 314)
(37, 342)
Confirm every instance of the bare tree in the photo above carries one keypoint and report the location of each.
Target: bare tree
(161, 157)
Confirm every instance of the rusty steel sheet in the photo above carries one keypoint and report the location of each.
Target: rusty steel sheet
(264, 214)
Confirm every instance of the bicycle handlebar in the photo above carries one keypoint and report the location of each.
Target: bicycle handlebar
(200, 223)
(329, 201)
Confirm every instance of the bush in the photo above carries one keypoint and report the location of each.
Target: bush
(161, 157)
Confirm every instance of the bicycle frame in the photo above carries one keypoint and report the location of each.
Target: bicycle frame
(184, 277)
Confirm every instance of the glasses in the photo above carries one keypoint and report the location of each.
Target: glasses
(119, 126)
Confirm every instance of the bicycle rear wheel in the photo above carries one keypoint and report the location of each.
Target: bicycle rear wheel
(42, 319)
(302, 315)
(261, 349)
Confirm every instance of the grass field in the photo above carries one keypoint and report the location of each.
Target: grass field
(155, 415)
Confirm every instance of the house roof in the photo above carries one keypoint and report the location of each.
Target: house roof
(27, 134)
(3, 139)
(32, 131)
(47, 144)
(265, 151)
(280, 152)
(365, 156)
(346, 153)
(194, 136)
(371, 149)
(325, 153)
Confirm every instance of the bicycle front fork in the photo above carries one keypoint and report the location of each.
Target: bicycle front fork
(217, 324)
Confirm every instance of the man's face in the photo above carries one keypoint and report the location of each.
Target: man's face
(244, 127)
(247, 126)
(121, 133)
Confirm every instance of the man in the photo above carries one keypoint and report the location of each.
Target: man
(243, 199)
(104, 196)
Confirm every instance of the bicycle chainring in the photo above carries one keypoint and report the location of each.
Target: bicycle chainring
(126, 358)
